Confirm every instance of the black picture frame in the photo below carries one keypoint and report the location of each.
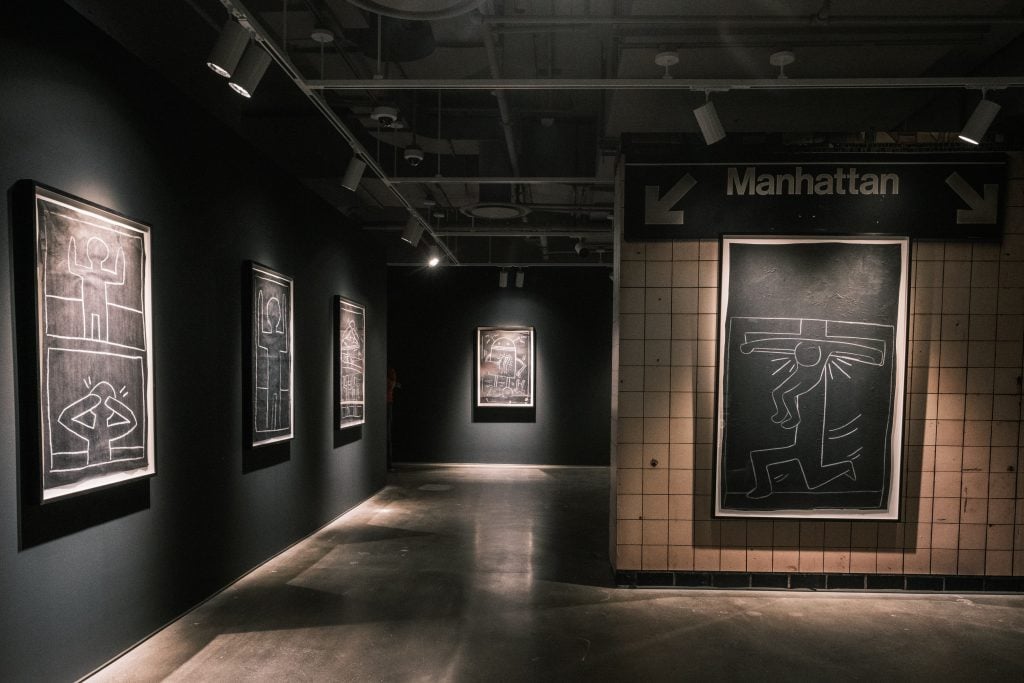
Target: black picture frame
(84, 312)
(811, 377)
(271, 356)
(350, 363)
(505, 367)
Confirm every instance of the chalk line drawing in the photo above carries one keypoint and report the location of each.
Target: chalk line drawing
(95, 368)
(96, 276)
(101, 420)
(272, 362)
(808, 361)
(505, 374)
(351, 363)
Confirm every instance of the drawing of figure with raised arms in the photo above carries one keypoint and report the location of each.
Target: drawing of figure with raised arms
(272, 359)
(810, 360)
(96, 275)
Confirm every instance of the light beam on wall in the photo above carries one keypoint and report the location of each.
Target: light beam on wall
(228, 49)
(983, 116)
(250, 70)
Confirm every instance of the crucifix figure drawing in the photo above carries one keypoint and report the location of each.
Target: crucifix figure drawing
(808, 363)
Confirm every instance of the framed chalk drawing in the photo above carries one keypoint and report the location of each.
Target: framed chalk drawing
(504, 368)
(811, 371)
(271, 356)
(351, 363)
(93, 345)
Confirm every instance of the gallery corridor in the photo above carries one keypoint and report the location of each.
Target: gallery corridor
(464, 573)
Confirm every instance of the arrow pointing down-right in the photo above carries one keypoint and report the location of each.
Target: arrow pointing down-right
(983, 209)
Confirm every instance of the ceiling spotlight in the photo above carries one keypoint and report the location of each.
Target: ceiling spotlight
(781, 59)
(251, 69)
(353, 173)
(520, 276)
(385, 116)
(976, 126)
(707, 120)
(582, 249)
(665, 60)
(413, 155)
(433, 257)
(413, 231)
(322, 36)
(503, 278)
(228, 49)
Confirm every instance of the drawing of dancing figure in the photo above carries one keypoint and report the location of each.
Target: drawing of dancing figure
(809, 361)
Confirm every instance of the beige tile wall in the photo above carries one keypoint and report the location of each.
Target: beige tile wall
(963, 505)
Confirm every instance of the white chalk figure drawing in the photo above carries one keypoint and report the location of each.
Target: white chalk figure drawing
(505, 367)
(807, 363)
(351, 378)
(272, 407)
(809, 405)
(94, 341)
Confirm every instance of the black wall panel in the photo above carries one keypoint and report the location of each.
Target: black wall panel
(83, 579)
(431, 340)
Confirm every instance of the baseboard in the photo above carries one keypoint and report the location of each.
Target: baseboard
(798, 581)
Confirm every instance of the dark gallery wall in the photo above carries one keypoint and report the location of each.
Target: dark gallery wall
(83, 578)
(433, 316)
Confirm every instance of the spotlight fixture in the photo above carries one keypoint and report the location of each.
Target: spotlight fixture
(503, 278)
(353, 173)
(413, 155)
(581, 248)
(976, 126)
(251, 69)
(707, 119)
(433, 257)
(228, 49)
(385, 116)
(413, 231)
(520, 276)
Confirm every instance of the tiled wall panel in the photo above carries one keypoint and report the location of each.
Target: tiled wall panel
(963, 500)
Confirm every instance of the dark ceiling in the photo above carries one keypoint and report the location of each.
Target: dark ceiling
(519, 106)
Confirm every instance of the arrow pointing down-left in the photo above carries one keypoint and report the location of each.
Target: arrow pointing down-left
(658, 208)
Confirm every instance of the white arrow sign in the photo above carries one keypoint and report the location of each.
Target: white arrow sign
(983, 209)
(658, 208)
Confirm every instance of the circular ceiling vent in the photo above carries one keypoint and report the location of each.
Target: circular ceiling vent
(495, 211)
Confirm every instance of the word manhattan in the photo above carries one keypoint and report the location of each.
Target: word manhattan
(840, 181)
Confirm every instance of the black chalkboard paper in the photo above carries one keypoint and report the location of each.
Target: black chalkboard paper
(351, 365)
(505, 369)
(94, 345)
(812, 359)
(271, 356)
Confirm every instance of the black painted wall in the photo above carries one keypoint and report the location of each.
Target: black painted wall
(82, 579)
(431, 339)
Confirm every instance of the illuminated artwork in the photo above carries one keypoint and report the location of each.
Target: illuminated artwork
(505, 376)
(271, 356)
(351, 378)
(94, 341)
(811, 374)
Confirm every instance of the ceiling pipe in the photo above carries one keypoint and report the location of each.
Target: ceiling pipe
(460, 8)
(248, 20)
(500, 180)
(693, 84)
(499, 95)
(751, 21)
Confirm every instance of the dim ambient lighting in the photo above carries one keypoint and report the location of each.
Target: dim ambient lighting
(251, 69)
(353, 173)
(710, 125)
(228, 49)
(976, 126)
(413, 231)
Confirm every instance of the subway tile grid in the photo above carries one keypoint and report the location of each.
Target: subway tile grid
(963, 501)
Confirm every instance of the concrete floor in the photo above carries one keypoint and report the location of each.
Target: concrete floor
(487, 573)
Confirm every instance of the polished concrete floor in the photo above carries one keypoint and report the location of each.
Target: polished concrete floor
(501, 574)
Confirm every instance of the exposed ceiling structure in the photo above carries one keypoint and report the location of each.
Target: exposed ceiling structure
(496, 124)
